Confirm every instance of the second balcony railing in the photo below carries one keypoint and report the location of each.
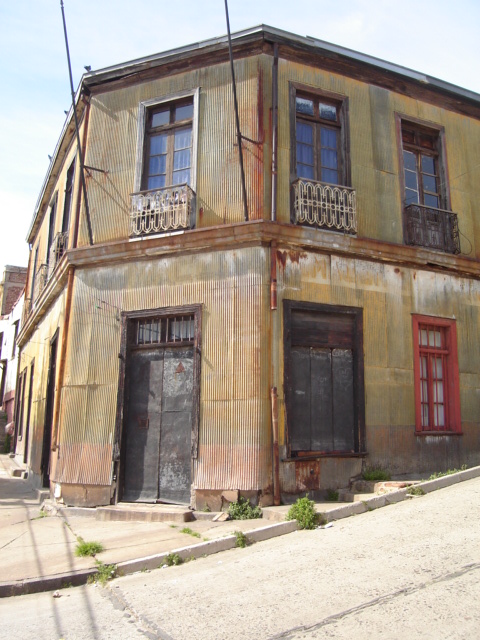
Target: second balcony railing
(323, 205)
(169, 209)
(431, 228)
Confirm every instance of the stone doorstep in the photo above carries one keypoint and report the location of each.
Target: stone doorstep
(145, 513)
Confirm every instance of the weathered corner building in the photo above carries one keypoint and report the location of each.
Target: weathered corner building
(174, 351)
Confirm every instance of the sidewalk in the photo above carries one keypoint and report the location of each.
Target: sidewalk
(39, 551)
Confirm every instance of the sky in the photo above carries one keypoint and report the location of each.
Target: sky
(440, 38)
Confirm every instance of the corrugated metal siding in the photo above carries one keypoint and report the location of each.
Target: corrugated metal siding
(38, 349)
(112, 142)
(234, 434)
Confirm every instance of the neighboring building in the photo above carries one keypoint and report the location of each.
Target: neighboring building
(157, 357)
(11, 303)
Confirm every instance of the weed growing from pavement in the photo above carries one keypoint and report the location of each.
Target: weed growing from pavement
(84, 549)
(241, 539)
(441, 474)
(243, 510)
(376, 474)
(206, 509)
(42, 514)
(332, 495)
(189, 531)
(303, 511)
(173, 559)
(105, 572)
(415, 491)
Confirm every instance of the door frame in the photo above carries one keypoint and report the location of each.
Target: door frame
(127, 318)
(49, 404)
(358, 367)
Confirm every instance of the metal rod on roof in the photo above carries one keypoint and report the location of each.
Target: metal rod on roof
(79, 146)
(239, 135)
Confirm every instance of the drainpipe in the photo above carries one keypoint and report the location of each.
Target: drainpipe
(276, 456)
(274, 130)
(63, 354)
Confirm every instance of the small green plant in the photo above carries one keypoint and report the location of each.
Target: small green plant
(241, 539)
(84, 549)
(303, 511)
(375, 474)
(415, 491)
(243, 510)
(173, 559)
(189, 531)
(332, 495)
(42, 514)
(441, 474)
(172, 526)
(206, 509)
(105, 572)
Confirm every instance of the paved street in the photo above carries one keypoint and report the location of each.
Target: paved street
(409, 570)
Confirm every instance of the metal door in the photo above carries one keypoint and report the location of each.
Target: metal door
(158, 428)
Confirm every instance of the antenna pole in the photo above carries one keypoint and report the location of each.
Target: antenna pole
(239, 135)
(77, 128)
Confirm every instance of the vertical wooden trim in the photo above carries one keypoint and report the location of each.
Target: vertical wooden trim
(63, 357)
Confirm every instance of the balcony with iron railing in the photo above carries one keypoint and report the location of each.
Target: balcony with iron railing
(162, 210)
(325, 206)
(39, 283)
(431, 228)
(57, 249)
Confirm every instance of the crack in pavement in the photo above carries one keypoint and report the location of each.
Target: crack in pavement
(143, 625)
(380, 600)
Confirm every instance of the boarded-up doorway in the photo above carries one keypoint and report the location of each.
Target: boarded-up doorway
(323, 378)
(160, 409)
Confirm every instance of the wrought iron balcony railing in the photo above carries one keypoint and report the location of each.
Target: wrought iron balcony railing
(323, 205)
(27, 308)
(41, 279)
(168, 209)
(431, 228)
(57, 249)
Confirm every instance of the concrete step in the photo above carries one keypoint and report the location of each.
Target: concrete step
(350, 496)
(128, 512)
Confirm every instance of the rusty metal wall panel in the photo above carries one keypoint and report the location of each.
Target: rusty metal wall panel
(234, 434)
(112, 142)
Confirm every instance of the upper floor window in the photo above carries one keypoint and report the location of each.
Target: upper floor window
(421, 165)
(318, 140)
(168, 145)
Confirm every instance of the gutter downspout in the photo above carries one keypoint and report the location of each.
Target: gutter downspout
(63, 357)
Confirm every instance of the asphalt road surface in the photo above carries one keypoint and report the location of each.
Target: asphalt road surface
(410, 570)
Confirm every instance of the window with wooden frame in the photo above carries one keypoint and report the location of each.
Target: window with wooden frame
(320, 138)
(168, 145)
(428, 221)
(437, 395)
(165, 171)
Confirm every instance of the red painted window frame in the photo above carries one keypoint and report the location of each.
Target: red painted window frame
(453, 424)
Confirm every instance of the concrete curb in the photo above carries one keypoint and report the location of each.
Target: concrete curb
(77, 578)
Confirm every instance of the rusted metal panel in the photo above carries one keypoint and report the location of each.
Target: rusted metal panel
(307, 475)
(232, 288)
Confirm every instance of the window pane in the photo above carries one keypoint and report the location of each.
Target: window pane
(157, 164)
(330, 176)
(304, 106)
(411, 197)
(328, 138)
(305, 171)
(431, 201)
(426, 141)
(411, 180)
(181, 159)
(184, 112)
(304, 154)
(327, 111)
(304, 133)
(439, 415)
(156, 182)
(183, 139)
(329, 158)
(160, 118)
(181, 177)
(423, 337)
(409, 161)
(428, 164)
(158, 144)
(430, 184)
